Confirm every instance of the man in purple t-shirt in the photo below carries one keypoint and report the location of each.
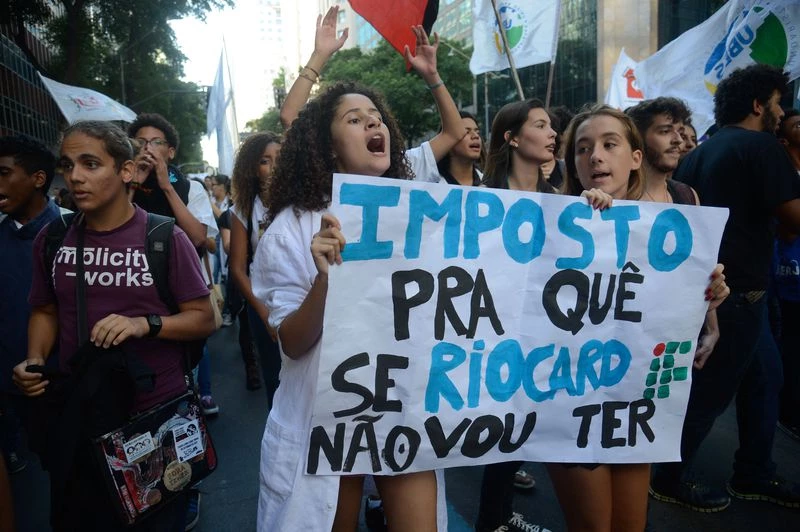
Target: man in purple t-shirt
(122, 301)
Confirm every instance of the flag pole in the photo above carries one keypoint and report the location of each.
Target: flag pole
(553, 59)
(503, 36)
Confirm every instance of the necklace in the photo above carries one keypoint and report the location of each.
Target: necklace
(667, 198)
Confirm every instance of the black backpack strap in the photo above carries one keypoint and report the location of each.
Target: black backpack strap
(250, 252)
(159, 243)
(56, 231)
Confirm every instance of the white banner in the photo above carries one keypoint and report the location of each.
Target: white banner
(531, 27)
(624, 91)
(78, 103)
(469, 326)
(740, 33)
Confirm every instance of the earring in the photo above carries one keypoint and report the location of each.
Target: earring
(514, 144)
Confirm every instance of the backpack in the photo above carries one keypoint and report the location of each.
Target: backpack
(157, 248)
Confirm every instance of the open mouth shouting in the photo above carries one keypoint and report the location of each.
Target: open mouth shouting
(377, 144)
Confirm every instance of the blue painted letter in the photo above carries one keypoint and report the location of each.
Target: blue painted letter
(371, 198)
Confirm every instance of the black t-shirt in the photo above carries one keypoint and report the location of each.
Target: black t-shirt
(749, 173)
(224, 220)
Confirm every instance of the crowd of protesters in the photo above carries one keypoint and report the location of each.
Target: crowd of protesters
(273, 243)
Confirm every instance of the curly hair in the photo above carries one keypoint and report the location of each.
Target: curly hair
(572, 184)
(643, 113)
(304, 173)
(510, 118)
(733, 101)
(158, 122)
(245, 183)
(31, 156)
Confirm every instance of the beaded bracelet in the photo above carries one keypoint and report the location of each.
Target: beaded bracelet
(436, 85)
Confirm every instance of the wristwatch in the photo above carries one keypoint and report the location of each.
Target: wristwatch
(154, 321)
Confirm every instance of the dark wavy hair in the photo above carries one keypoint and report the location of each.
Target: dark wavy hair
(509, 118)
(115, 141)
(444, 163)
(643, 113)
(31, 156)
(733, 101)
(245, 183)
(572, 184)
(304, 173)
(160, 123)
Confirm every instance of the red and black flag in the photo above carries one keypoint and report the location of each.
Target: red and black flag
(393, 18)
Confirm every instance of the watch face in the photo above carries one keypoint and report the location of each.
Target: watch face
(154, 321)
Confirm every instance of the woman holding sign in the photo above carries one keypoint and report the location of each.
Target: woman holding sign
(603, 150)
(522, 141)
(346, 129)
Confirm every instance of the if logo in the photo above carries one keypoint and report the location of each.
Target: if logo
(663, 369)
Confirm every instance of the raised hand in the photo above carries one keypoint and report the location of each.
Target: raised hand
(326, 43)
(424, 58)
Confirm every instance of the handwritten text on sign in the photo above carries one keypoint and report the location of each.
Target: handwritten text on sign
(470, 326)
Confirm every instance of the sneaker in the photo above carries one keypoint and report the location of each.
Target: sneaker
(775, 490)
(193, 510)
(517, 523)
(792, 430)
(374, 517)
(15, 463)
(524, 480)
(227, 320)
(210, 408)
(691, 495)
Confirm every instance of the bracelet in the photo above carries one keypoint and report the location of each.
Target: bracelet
(307, 77)
(312, 70)
(436, 85)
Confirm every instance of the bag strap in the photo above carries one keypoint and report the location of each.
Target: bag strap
(80, 286)
(158, 243)
(250, 252)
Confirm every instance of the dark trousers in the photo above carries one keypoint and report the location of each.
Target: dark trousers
(497, 495)
(790, 355)
(746, 365)
(268, 352)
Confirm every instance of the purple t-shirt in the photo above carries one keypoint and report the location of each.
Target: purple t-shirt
(119, 281)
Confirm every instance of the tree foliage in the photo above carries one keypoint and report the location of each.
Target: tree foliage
(128, 51)
(384, 69)
(269, 121)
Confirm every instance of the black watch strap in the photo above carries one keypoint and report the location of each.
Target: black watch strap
(154, 321)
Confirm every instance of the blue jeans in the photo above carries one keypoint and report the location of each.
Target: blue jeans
(204, 373)
(746, 365)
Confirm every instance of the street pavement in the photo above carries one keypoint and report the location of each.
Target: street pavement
(230, 494)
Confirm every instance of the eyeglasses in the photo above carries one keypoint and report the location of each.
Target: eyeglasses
(155, 142)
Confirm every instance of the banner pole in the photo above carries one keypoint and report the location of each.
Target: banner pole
(553, 59)
(514, 73)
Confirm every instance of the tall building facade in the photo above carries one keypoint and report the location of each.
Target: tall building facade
(25, 105)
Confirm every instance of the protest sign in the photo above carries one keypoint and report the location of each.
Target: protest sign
(471, 325)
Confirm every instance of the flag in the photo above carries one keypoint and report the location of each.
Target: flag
(531, 27)
(221, 116)
(393, 18)
(740, 33)
(77, 103)
(623, 91)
